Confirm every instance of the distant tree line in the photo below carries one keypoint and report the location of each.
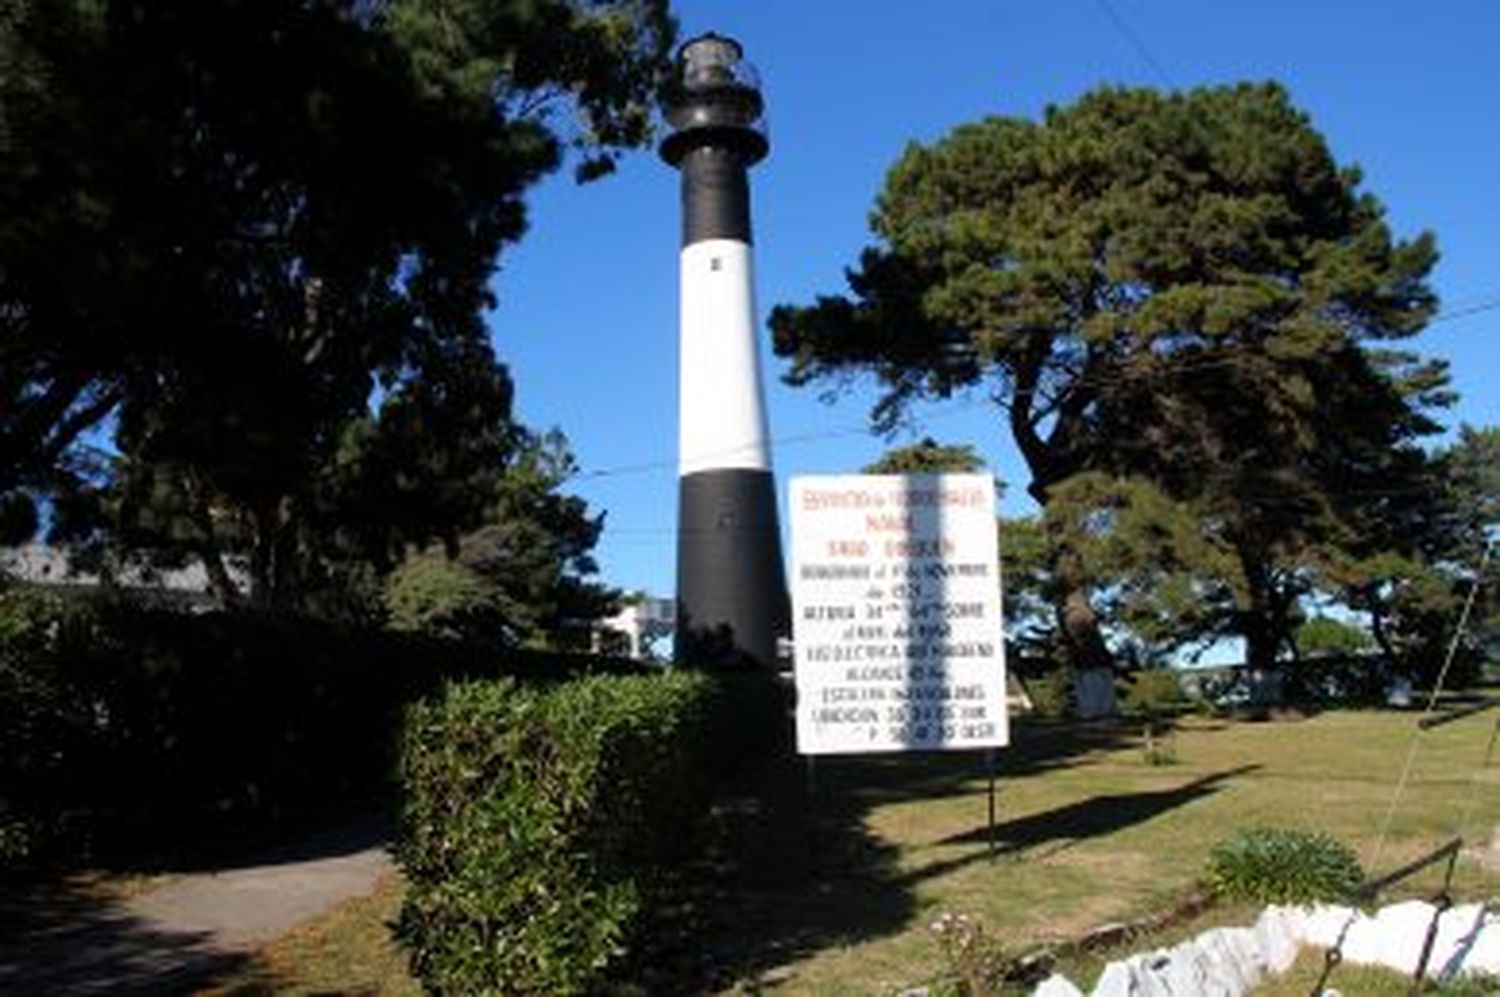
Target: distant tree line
(1190, 318)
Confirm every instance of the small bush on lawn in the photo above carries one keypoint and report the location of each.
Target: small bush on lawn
(533, 820)
(1153, 691)
(977, 965)
(1277, 865)
(1052, 694)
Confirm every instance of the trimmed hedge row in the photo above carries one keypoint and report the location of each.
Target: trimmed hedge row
(535, 822)
(122, 727)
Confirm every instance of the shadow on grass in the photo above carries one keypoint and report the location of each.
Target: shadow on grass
(788, 874)
(63, 939)
(1090, 818)
(794, 870)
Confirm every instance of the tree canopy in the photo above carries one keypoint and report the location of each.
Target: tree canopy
(1183, 288)
(928, 455)
(523, 576)
(245, 259)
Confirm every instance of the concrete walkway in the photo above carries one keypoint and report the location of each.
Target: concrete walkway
(194, 928)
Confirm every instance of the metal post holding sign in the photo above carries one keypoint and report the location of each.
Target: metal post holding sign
(812, 814)
(896, 616)
(990, 764)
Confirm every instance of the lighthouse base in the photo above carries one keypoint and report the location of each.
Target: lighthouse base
(732, 600)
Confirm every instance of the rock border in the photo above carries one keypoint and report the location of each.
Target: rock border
(1233, 961)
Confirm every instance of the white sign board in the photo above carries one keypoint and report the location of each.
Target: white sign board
(896, 610)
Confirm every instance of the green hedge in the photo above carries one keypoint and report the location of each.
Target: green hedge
(123, 728)
(535, 822)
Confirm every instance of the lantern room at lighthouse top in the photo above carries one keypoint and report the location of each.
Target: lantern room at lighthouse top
(714, 99)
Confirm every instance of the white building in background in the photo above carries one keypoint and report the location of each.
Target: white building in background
(49, 567)
(642, 621)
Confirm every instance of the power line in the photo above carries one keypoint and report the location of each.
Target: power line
(1174, 365)
(1465, 312)
(777, 443)
(1413, 747)
(1136, 43)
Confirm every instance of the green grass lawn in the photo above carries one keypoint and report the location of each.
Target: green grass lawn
(830, 889)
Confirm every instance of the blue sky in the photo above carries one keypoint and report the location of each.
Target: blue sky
(587, 315)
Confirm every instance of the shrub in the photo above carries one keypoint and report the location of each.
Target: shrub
(1052, 694)
(1354, 680)
(534, 821)
(16, 837)
(123, 727)
(1153, 690)
(976, 964)
(1277, 865)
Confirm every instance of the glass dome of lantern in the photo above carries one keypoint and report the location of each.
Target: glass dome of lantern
(714, 99)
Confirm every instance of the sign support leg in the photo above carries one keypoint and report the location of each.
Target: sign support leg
(812, 814)
(989, 755)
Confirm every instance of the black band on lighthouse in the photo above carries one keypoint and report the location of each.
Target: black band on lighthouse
(730, 570)
(715, 196)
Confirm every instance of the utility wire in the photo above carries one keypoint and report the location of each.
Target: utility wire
(1334, 956)
(959, 407)
(1173, 366)
(1136, 43)
(1466, 311)
(1432, 698)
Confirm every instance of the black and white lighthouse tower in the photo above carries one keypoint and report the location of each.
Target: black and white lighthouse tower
(731, 589)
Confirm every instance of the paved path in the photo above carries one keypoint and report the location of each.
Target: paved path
(193, 928)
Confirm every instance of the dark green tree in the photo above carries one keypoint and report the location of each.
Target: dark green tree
(1182, 287)
(928, 455)
(1423, 547)
(245, 253)
(1322, 636)
(523, 576)
(1469, 473)
(1159, 581)
(1152, 575)
(1026, 592)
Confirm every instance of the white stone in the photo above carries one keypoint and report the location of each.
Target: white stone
(1326, 926)
(1117, 980)
(1393, 937)
(1221, 964)
(1231, 962)
(1274, 935)
(1468, 943)
(1057, 985)
(1242, 951)
(1188, 972)
(1150, 975)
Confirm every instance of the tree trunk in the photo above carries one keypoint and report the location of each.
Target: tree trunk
(261, 557)
(1257, 617)
(1081, 634)
(1077, 621)
(1050, 463)
(1261, 641)
(224, 590)
(1379, 625)
(273, 555)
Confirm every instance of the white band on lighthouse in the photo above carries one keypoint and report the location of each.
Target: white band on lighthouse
(723, 412)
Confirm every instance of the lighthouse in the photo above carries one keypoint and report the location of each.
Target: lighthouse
(731, 586)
